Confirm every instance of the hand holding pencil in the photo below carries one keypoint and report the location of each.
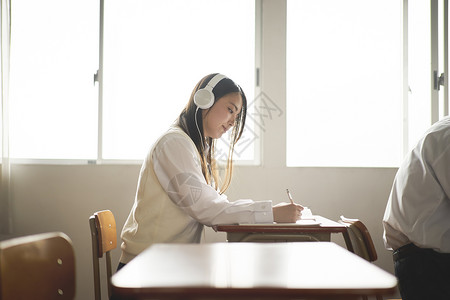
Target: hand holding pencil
(287, 212)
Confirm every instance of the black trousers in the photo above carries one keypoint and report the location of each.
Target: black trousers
(422, 273)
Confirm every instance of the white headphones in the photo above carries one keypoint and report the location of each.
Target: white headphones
(204, 98)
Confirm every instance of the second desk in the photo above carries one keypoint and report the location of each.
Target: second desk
(315, 228)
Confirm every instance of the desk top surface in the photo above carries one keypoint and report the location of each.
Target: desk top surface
(313, 224)
(251, 269)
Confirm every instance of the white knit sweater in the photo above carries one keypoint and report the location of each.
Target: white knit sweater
(173, 200)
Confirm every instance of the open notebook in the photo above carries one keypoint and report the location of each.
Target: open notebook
(307, 219)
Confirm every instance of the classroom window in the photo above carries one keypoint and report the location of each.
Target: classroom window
(419, 70)
(154, 53)
(53, 101)
(344, 79)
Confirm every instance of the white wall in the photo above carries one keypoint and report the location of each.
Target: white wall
(61, 198)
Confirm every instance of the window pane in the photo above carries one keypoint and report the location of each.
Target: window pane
(419, 73)
(54, 54)
(344, 83)
(154, 54)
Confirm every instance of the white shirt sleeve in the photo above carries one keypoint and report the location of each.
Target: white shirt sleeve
(418, 209)
(177, 166)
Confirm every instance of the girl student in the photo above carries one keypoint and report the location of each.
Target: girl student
(179, 189)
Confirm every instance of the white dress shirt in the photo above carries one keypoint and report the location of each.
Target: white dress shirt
(418, 210)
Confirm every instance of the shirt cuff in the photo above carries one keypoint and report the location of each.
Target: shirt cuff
(263, 212)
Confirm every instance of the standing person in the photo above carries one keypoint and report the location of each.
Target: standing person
(417, 217)
(179, 189)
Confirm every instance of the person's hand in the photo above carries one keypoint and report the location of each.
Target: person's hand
(287, 212)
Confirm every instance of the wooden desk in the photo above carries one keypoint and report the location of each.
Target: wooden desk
(283, 232)
(252, 271)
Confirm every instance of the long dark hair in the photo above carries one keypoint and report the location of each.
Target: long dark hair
(187, 121)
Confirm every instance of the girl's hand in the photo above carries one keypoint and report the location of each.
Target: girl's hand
(287, 212)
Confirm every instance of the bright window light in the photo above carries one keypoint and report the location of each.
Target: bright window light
(419, 73)
(344, 101)
(53, 100)
(154, 54)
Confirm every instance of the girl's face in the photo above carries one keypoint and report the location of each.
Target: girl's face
(222, 115)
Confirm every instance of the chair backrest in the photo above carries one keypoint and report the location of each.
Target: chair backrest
(40, 266)
(104, 239)
(360, 238)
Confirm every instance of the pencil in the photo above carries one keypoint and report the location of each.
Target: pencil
(290, 196)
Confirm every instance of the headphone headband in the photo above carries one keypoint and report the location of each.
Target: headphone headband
(214, 81)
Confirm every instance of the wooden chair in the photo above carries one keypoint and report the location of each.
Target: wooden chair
(359, 241)
(104, 239)
(39, 267)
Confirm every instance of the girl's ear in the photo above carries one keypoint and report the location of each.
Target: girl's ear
(205, 112)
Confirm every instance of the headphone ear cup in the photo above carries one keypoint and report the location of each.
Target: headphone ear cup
(204, 98)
